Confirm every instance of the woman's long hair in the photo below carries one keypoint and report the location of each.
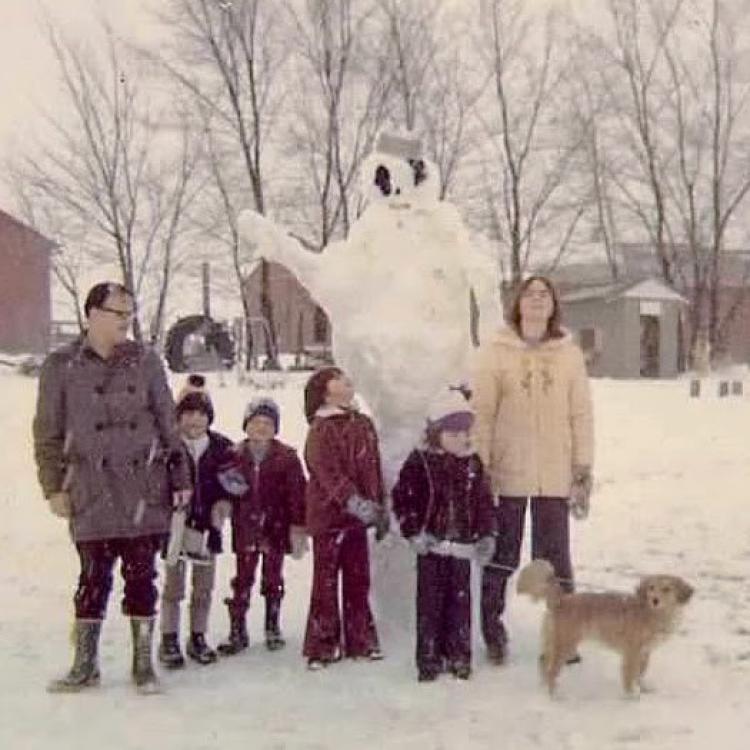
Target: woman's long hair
(554, 324)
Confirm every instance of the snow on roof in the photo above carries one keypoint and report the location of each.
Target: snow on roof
(652, 288)
(598, 291)
(649, 288)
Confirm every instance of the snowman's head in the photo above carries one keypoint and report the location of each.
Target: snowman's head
(397, 175)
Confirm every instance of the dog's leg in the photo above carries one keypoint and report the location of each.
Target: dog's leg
(631, 671)
(644, 686)
(556, 651)
(548, 649)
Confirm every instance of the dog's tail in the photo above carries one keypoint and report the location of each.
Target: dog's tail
(537, 580)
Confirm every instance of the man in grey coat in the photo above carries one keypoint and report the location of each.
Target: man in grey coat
(110, 461)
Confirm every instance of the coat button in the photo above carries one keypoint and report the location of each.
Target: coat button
(133, 425)
(99, 426)
(105, 462)
(99, 389)
(131, 388)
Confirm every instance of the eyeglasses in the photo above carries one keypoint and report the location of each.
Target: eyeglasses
(121, 314)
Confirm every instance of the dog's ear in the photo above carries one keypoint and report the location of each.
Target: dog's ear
(684, 590)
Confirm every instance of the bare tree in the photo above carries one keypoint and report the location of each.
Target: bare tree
(711, 181)
(434, 89)
(95, 172)
(410, 29)
(343, 84)
(228, 57)
(588, 115)
(529, 155)
(630, 66)
(449, 127)
(677, 152)
(219, 223)
(171, 192)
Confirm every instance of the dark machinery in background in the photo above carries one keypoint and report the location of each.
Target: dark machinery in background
(197, 343)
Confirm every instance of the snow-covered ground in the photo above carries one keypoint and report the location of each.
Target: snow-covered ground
(672, 496)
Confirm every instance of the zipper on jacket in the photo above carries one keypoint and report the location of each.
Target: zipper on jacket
(537, 442)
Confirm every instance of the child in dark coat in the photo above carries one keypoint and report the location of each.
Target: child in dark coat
(344, 496)
(443, 503)
(207, 451)
(267, 482)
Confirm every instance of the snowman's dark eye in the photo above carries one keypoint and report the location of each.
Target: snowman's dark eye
(419, 169)
(383, 179)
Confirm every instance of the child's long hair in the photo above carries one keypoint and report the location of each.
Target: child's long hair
(316, 389)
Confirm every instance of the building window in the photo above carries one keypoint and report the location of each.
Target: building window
(320, 326)
(650, 307)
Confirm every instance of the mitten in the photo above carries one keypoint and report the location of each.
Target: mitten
(580, 492)
(298, 538)
(422, 543)
(59, 504)
(220, 512)
(363, 509)
(484, 549)
(233, 482)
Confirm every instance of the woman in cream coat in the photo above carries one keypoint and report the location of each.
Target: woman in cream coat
(534, 434)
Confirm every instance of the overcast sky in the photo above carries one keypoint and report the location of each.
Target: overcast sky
(27, 73)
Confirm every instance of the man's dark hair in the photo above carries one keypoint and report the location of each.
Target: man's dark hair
(98, 294)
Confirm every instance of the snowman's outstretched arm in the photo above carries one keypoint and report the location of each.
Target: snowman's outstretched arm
(263, 238)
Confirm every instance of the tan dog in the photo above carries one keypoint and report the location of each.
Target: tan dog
(631, 624)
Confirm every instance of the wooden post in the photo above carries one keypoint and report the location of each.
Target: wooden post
(206, 277)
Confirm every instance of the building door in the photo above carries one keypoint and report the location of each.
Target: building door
(650, 336)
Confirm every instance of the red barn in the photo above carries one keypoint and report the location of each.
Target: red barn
(24, 287)
(300, 323)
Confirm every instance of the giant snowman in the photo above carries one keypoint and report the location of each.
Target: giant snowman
(397, 292)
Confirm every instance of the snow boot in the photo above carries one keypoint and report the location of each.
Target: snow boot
(274, 639)
(427, 674)
(238, 639)
(198, 650)
(85, 670)
(461, 671)
(144, 677)
(169, 651)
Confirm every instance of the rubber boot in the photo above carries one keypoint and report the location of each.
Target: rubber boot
(85, 670)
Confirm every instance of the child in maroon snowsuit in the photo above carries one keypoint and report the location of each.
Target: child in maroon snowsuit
(267, 484)
(344, 496)
(443, 503)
